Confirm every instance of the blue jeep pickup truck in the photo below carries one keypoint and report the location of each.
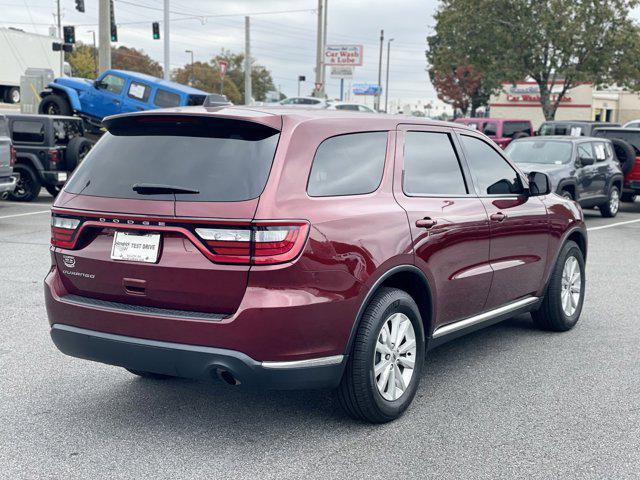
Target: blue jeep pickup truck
(115, 91)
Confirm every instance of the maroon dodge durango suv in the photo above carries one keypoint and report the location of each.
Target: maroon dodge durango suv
(279, 248)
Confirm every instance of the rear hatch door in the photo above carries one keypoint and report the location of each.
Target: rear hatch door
(162, 179)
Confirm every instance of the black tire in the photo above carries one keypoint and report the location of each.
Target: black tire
(77, 149)
(567, 194)
(628, 197)
(53, 190)
(625, 153)
(149, 375)
(358, 393)
(610, 208)
(54, 104)
(28, 186)
(551, 314)
(12, 95)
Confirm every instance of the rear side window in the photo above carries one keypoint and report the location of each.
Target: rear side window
(431, 166)
(224, 160)
(29, 132)
(490, 128)
(166, 99)
(348, 165)
(492, 174)
(509, 129)
(139, 91)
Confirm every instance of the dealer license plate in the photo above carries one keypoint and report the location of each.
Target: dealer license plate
(136, 247)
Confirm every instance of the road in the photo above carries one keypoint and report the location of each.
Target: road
(506, 402)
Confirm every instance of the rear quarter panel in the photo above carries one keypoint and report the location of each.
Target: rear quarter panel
(353, 240)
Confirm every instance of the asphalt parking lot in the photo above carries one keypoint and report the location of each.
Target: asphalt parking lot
(506, 402)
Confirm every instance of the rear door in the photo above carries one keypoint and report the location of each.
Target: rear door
(448, 222)
(519, 225)
(136, 97)
(227, 162)
(587, 175)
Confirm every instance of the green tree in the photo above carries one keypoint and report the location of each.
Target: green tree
(554, 42)
(82, 61)
(205, 76)
(261, 80)
(126, 58)
(457, 52)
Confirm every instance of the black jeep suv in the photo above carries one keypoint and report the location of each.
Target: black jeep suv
(48, 149)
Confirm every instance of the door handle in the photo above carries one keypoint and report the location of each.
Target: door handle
(117, 102)
(498, 217)
(426, 222)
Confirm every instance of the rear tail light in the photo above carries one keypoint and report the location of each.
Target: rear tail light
(12, 156)
(258, 244)
(63, 230)
(54, 157)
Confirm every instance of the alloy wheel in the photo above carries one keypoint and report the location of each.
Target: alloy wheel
(614, 201)
(394, 357)
(571, 286)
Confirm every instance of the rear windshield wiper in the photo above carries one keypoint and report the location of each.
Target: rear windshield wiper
(158, 189)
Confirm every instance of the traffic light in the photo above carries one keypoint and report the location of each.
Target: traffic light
(156, 30)
(80, 5)
(69, 34)
(114, 32)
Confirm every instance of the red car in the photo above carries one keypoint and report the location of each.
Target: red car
(500, 130)
(280, 248)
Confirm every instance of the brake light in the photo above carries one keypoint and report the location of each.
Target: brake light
(263, 243)
(12, 155)
(63, 230)
(54, 157)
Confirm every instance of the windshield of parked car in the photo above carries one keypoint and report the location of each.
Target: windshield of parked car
(536, 151)
(222, 160)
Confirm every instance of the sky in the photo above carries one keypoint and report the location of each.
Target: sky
(284, 42)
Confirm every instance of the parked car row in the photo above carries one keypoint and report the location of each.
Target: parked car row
(321, 103)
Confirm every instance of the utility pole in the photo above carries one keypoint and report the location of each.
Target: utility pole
(386, 83)
(376, 102)
(191, 75)
(94, 52)
(104, 36)
(316, 92)
(167, 52)
(325, 12)
(247, 62)
(60, 36)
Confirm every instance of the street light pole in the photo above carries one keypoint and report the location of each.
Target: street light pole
(191, 67)
(386, 83)
(376, 103)
(60, 35)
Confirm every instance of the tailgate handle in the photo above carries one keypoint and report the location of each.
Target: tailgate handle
(134, 286)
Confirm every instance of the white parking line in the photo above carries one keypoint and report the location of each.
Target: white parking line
(611, 225)
(23, 214)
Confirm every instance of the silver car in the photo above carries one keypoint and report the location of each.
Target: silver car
(7, 159)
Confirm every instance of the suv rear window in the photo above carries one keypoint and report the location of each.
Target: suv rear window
(166, 99)
(509, 129)
(349, 164)
(225, 160)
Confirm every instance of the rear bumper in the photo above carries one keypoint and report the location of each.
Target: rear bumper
(192, 361)
(57, 178)
(8, 184)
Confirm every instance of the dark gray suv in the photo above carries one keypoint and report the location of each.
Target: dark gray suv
(584, 169)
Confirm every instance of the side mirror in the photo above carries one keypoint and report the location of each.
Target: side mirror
(539, 184)
(98, 84)
(586, 161)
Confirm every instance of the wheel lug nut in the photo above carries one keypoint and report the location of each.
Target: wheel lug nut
(387, 356)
